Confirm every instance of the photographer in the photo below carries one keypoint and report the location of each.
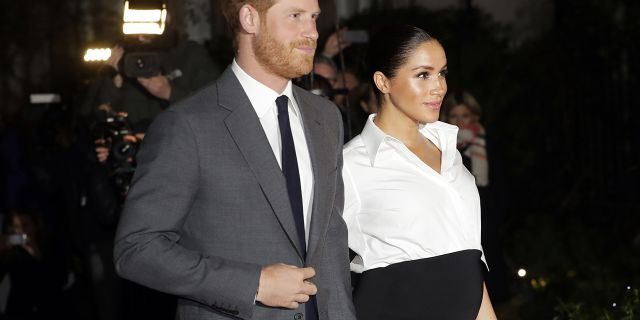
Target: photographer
(144, 75)
(147, 73)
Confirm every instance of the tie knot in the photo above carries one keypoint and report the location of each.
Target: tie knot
(282, 102)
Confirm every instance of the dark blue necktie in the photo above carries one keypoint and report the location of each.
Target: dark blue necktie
(292, 175)
(290, 168)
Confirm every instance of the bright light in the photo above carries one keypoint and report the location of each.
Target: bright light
(133, 15)
(522, 273)
(143, 21)
(97, 54)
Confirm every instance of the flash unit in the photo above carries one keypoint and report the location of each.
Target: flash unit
(97, 54)
(144, 17)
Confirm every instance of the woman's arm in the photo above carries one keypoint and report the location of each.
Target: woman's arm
(486, 309)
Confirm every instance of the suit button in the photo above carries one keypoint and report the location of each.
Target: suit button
(298, 316)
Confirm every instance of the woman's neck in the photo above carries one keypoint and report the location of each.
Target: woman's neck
(398, 125)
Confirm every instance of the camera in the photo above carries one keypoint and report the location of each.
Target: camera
(114, 128)
(17, 239)
(146, 39)
(143, 64)
(146, 55)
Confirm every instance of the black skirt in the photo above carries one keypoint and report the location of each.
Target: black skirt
(440, 288)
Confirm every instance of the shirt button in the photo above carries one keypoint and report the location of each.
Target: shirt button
(298, 316)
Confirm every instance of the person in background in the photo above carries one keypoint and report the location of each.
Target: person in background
(120, 103)
(236, 203)
(32, 258)
(334, 44)
(346, 81)
(411, 207)
(326, 68)
(324, 62)
(316, 84)
(362, 102)
(184, 67)
(463, 111)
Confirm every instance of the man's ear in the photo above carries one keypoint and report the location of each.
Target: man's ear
(249, 19)
(381, 81)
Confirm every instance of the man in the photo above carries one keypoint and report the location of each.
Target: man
(211, 216)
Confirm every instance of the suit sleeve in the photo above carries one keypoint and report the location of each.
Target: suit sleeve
(147, 245)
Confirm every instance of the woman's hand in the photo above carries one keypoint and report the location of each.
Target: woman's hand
(486, 309)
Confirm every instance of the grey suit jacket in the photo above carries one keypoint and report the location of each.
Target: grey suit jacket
(208, 207)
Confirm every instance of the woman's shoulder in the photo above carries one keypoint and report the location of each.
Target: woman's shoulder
(354, 143)
(354, 149)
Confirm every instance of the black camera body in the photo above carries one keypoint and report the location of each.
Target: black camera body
(122, 151)
(146, 56)
(115, 128)
(143, 64)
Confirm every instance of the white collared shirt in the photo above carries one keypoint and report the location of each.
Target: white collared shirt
(263, 100)
(398, 209)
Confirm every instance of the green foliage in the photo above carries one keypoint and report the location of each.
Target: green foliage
(628, 309)
(577, 267)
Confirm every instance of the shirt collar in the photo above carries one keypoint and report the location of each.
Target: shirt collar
(443, 135)
(372, 138)
(262, 97)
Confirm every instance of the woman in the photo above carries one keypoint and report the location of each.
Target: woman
(412, 209)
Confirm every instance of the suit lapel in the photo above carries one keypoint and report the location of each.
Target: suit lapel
(316, 142)
(245, 129)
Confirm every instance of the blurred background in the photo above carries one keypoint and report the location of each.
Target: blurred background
(557, 82)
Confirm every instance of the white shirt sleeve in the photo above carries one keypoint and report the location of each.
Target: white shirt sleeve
(352, 208)
(351, 198)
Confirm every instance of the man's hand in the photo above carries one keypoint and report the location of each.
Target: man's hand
(285, 286)
(158, 86)
(102, 151)
(334, 44)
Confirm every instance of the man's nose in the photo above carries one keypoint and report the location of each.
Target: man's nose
(310, 30)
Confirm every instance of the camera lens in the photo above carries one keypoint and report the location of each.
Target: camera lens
(122, 150)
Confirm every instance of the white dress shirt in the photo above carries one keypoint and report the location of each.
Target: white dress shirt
(263, 100)
(398, 209)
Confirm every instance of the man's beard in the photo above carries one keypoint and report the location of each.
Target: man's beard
(283, 59)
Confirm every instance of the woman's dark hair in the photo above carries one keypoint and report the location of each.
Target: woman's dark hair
(390, 47)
